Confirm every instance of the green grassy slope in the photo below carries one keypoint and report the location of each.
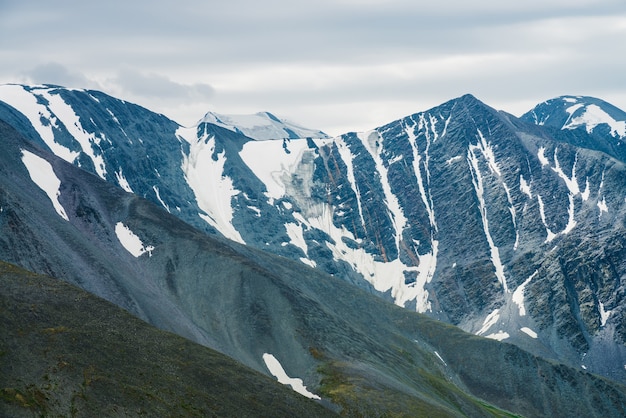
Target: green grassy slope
(65, 352)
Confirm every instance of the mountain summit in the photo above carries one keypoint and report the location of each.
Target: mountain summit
(262, 126)
(572, 112)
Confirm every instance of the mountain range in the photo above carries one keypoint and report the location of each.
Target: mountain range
(273, 243)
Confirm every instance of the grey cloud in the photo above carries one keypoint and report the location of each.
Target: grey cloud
(313, 56)
(55, 73)
(158, 86)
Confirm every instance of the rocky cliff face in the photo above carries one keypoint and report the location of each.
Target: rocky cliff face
(510, 228)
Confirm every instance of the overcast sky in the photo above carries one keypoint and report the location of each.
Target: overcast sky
(338, 66)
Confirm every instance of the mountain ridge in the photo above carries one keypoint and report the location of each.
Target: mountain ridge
(461, 211)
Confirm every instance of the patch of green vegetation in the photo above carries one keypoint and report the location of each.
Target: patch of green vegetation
(31, 398)
(55, 330)
(360, 397)
(497, 412)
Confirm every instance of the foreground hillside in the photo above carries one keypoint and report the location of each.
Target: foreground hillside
(65, 352)
(350, 348)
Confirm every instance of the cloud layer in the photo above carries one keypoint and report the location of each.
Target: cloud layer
(333, 65)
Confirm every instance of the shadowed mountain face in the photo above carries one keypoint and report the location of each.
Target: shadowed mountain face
(355, 351)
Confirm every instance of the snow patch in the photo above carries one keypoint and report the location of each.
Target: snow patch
(71, 121)
(518, 294)
(261, 126)
(384, 276)
(296, 236)
(213, 190)
(121, 180)
(42, 174)
(308, 262)
(593, 116)
(399, 221)
(604, 314)
(541, 154)
(421, 185)
(489, 321)
(454, 159)
(500, 335)
(477, 181)
(26, 103)
(276, 369)
(158, 196)
(571, 222)
(525, 187)
(276, 172)
(570, 182)
(347, 158)
(529, 332)
(187, 134)
(550, 235)
(602, 206)
(131, 242)
(441, 359)
(585, 195)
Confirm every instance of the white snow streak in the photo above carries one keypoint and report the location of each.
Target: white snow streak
(439, 357)
(56, 112)
(449, 161)
(276, 369)
(398, 219)
(158, 196)
(121, 180)
(585, 195)
(593, 116)
(477, 181)
(26, 103)
(70, 119)
(131, 242)
(529, 332)
(571, 222)
(489, 321)
(602, 206)
(417, 159)
(272, 165)
(500, 335)
(347, 157)
(571, 183)
(604, 315)
(525, 187)
(213, 190)
(518, 294)
(42, 174)
(296, 236)
(542, 214)
(541, 154)
(384, 276)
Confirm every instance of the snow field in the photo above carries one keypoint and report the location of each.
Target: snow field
(43, 175)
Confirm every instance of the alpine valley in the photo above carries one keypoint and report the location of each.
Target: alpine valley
(458, 262)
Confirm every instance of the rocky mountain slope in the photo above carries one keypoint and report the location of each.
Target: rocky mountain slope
(66, 352)
(357, 353)
(510, 228)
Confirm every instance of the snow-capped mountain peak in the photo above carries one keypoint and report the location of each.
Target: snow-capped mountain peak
(262, 126)
(573, 112)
